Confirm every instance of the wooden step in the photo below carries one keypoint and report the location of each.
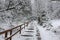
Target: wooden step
(29, 31)
(27, 35)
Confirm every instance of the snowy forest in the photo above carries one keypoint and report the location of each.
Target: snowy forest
(44, 17)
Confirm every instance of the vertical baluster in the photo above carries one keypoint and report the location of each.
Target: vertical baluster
(27, 23)
(10, 35)
(24, 25)
(20, 29)
(6, 36)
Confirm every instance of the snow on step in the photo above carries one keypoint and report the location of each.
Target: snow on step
(29, 33)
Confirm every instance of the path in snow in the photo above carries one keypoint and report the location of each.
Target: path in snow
(29, 33)
(35, 32)
(45, 34)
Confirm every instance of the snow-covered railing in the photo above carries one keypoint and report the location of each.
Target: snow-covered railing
(10, 31)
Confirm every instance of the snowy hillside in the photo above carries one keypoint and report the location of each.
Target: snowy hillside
(14, 12)
(43, 17)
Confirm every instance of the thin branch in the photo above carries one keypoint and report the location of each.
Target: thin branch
(10, 8)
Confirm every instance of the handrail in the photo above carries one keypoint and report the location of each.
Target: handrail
(10, 30)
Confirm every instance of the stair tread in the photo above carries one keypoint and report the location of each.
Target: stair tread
(29, 31)
(27, 35)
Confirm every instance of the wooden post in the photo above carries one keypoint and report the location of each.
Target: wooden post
(20, 29)
(10, 35)
(6, 36)
(24, 25)
(27, 23)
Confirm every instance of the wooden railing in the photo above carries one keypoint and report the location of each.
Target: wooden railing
(11, 33)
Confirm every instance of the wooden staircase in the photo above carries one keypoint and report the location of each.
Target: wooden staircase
(29, 33)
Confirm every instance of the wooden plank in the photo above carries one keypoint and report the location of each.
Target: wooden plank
(6, 36)
(27, 35)
(10, 29)
(10, 34)
(24, 26)
(20, 29)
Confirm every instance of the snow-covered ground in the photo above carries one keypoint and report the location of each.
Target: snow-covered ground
(45, 34)
(56, 24)
(19, 37)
